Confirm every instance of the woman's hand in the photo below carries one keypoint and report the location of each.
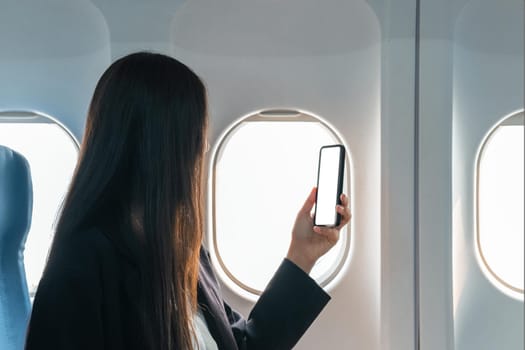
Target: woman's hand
(310, 242)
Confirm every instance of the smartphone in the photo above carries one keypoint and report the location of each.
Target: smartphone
(329, 185)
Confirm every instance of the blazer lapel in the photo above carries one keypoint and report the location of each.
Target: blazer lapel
(212, 307)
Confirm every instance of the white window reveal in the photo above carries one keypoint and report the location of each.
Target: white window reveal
(500, 203)
(52, 155)
(263, 169)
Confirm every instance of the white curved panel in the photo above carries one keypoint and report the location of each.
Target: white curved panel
(138, 25)
(275, 163)
(282, 60)
(53, 52)
(499, 198)
(488, 85)
(266, 28)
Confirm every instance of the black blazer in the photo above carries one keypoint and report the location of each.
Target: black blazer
(87, 299)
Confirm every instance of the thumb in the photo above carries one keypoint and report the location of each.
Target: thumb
(310, 201)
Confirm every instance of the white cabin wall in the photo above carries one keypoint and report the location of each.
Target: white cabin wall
(434, 187)
(138, 25)
(470, 77)
(488, 85)
(52, 55)
(397, 174)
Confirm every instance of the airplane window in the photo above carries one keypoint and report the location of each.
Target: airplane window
(52, 154)
(263, 169)
(500, 203)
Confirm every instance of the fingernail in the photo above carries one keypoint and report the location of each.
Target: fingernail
(317, 229)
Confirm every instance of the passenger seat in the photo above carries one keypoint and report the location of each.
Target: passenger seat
(16, 207)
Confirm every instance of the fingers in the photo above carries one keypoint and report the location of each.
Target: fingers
(330, 233)
(344, 211)
(344, 200)
(309, 203)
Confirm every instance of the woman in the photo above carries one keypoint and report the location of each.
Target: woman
(126, 269)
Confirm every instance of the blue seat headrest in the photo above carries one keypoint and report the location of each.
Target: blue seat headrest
(16, 207)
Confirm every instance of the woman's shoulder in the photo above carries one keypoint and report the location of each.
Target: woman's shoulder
(68, 300)
(90, 240)
(93, 238)
(81, 251)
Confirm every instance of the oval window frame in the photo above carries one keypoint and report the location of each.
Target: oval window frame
(273, 115)
(514, 118)
(30, 116)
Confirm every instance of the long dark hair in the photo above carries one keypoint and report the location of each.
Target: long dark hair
(142, 159)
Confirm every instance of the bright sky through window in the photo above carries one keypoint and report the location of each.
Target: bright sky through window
(500, 203)
(52, 156)
(264, 172)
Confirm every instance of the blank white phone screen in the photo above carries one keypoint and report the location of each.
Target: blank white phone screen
(325, 213)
